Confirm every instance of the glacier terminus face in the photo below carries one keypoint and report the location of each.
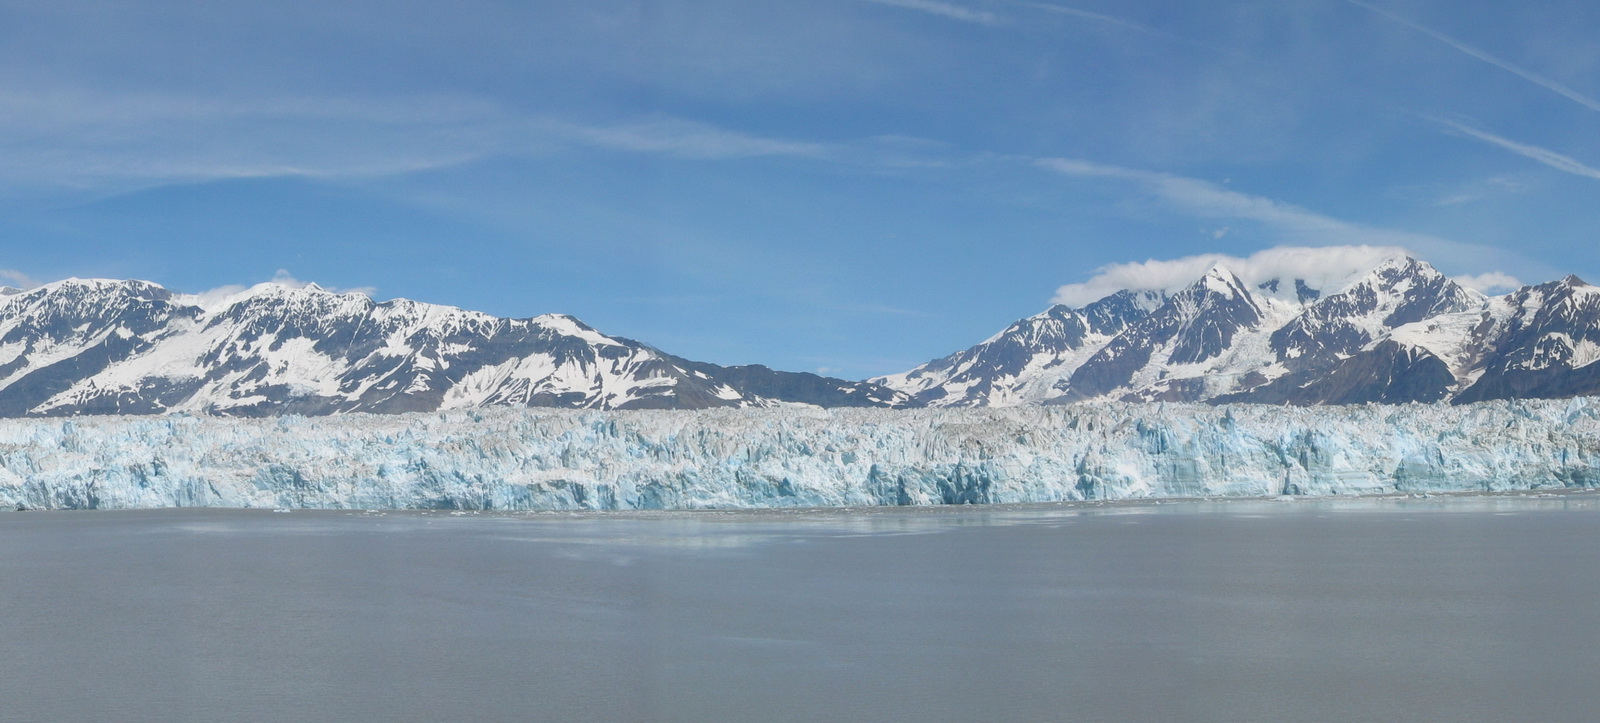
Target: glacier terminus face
(521, 459)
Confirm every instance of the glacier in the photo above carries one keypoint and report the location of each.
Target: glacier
(547, 459)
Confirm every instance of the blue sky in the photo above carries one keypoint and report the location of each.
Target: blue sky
(845, 185)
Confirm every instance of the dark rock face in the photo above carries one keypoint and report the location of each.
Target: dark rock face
(129, 347)
(1058, 329)
(1546, 348)
(1305, 293)
(1198, 323)
(1045, 340)
(103, 322)
(1389, 373)
(1339, 325)
(1115, 313)
(802, 387)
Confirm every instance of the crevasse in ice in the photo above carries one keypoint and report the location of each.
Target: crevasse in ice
(517, 459)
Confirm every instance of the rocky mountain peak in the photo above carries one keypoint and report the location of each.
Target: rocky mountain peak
(1399, 331)
(96, 346)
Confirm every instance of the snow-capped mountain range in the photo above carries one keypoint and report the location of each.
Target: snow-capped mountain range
(1403, 332)
(132, 347)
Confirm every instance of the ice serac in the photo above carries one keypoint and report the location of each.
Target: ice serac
(1027, 362)
(544, 459)
(130, 347)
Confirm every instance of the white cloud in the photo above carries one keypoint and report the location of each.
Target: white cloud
(949, 10)
(213, 298)
(284, 278)
(1493, 282)
(18, 279)
(1326, 268)
(1518, 71)
(1291, 225)
(1543, 155)
(1327, 252)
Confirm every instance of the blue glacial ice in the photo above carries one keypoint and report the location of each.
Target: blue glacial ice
(508, 459)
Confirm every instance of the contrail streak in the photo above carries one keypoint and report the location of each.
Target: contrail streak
(1527, 75)
(1543, 155)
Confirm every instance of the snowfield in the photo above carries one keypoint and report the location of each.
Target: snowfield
(518, 459)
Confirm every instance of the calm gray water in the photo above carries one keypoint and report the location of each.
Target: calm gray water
(1459, 609)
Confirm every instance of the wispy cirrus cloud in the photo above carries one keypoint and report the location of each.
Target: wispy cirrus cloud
(1528, 75)
(1546, 156)
(92, 139)
(984, 17)
(1211, 200)
(1088, 15)
(686, 139)
(1471, 191)
(95, 137)
(949, 10)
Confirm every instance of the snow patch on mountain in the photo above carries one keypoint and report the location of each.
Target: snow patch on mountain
(1451, 338)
